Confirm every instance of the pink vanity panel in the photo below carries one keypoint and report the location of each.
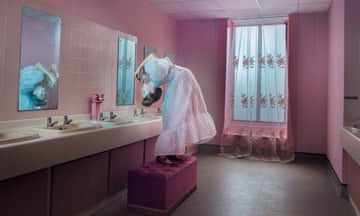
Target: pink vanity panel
(79, 184)
(25, 194)
(121, 161)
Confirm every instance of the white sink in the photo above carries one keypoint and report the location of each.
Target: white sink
(355, 128)
(152, 116)
(105, 124)
(12, 136)
(73, 127)
(350, 140)
(125, 120)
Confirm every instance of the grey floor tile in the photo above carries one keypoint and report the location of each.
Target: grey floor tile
(238, 187)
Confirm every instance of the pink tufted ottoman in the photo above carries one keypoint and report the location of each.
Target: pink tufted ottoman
(155, 189)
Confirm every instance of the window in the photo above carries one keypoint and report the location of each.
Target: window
(260, 73)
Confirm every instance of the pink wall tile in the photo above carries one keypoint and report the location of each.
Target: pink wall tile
(90, 40)
(76, 51)
(12, 56)
(2, 92)
(156, 27)
(76, 36)
(89, 53)
(13, 24)
(2, 35)
(69, 79)
(2, 64)
(92, 28)
(90, 67)
(70, 95)
(11, 75)
(10, 96)
(31, 3)
(3, 6)
(75, 65)
(14, 10)
(88, 49)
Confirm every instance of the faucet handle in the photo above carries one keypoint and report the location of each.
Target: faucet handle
(67, 120)
(142, 111)
(101, 116)
(112, 115)
(49, 122)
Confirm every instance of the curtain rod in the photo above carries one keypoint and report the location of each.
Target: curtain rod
(260, 20)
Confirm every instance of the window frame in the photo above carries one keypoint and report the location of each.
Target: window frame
(259, 75)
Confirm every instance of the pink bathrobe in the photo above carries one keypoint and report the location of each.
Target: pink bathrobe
(186, 120)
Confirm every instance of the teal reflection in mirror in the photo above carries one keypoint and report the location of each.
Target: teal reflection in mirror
(125, 70)
(39, 60)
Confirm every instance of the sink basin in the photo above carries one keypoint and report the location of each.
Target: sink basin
(153, 116)
(355, 128)
(73, 127)
(11, 136)
(125, 120)
(105, 124)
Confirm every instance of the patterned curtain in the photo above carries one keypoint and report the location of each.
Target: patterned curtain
(256, 105)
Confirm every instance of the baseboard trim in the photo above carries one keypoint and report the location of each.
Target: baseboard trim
(311, 156)
(104, 203)
(341, 189)
(213, 148)
(357, 212)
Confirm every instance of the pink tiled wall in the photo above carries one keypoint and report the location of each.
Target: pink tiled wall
(88, 50)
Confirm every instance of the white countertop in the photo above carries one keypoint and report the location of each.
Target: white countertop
(351, 142)
(55, 148)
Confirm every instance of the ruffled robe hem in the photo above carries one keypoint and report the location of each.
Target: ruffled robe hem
(195, 129)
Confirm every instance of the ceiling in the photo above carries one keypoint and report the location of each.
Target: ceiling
(237, 9)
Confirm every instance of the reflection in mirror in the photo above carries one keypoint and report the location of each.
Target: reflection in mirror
(126, 68)
(39, 60)
(148, 50)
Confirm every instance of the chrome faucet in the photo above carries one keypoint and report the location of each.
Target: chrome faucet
(142, 112)
(66, 120)
(50, 123)
(101, 116)
(112, 115)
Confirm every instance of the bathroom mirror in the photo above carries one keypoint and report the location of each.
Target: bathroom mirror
(126, 69)
(39, 60)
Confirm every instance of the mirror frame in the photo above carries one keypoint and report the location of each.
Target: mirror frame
(125, 84)
(39, 68)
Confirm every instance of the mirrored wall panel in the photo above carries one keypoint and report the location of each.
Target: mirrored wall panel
(126, 69)
(39, 60)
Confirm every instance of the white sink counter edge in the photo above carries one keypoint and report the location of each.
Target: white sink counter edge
(351, 143)
(52, 149)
